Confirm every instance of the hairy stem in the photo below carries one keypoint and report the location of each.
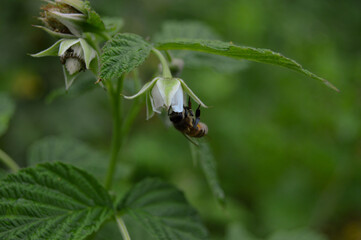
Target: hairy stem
(8, 161)
(163, 61)
(115, 100)
(122, 228)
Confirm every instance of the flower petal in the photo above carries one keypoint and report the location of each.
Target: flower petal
(191, 94)
(89, 52)
(177, 101)
(145, 88)
(66, 44)
(148, 102)
(168, 88)
(51, 51)
(157, 99)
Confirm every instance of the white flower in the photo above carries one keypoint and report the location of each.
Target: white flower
(164, 93)
(75, 54)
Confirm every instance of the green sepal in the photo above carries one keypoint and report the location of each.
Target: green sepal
(77, 4)
(94, 66)
(149, 106)
(69, 79)
(55, 34)
(66, 44)
(191, 93)
(73, 21)
(89, 52)
(148, 86)
(51, 51)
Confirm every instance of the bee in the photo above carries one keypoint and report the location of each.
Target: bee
(188, 123)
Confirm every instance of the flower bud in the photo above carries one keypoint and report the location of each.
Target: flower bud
(63, 18)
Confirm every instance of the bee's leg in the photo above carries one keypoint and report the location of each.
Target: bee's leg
(198, 116)
(189, 102)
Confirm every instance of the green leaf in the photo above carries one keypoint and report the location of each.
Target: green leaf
(203, 154)
(197, 30)
(123, 53)
(68, 150)
(300, 234)
(238, 52)
(52, 201)
(7, 109)
(3, 173)
(163, 211)
(185, 29)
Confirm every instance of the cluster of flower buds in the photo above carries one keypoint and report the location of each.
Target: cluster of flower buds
(74, 23)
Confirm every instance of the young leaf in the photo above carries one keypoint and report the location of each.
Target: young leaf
(163, 211)
(204, 156)
(123, 53)
(197, 30)
(238, 52)
(7, 108)
(94, 22)
(52, 201)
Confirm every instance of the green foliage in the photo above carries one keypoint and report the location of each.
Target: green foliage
(52, 201)
(163, 211)
(204, 156)
(3, 173)
(238, 52)
(236, 231)
(70, 151)
(113, 25)
(185, 29)
(7, 108)
(94, 22)
(302, 234)
(196, 30)
(123, 53)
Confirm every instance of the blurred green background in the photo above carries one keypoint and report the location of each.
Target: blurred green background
(288, 149)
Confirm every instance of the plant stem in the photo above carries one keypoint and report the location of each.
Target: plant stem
(163, 61)
(122, 228)
(115, 99)
(134, 109)
(8, 161)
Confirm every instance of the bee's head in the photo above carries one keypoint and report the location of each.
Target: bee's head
(176, 116)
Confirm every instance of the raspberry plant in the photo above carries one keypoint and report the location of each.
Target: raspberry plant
(66, 193)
